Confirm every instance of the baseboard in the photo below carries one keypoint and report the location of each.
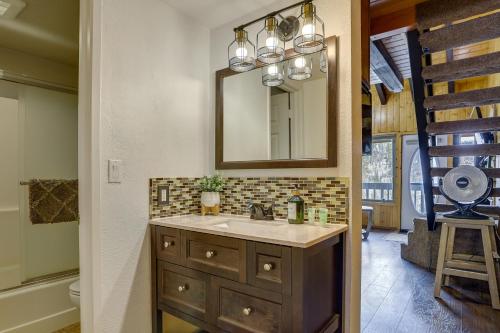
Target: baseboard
(48, 324)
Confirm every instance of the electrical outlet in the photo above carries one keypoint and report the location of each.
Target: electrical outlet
(163, 195)
(114, 171)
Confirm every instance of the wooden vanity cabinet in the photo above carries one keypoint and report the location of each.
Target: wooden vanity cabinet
(224, 284)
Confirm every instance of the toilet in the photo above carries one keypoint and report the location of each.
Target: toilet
(74, 293)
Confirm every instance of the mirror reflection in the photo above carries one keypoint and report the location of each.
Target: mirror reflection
(277, 112)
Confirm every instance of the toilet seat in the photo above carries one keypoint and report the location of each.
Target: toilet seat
(74, 288)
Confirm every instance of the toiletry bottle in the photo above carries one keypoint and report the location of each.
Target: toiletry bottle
(296, 208)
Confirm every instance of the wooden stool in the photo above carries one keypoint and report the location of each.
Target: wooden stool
(468, 266)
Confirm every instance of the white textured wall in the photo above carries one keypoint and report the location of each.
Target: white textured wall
(151, 112)
(38, 68)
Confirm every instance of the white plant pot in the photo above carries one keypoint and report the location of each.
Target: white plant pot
(210, 199)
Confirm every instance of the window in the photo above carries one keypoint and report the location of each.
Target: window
(467, 140)
(378, 170)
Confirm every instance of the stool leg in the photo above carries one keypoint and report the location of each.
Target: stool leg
(493, 242)
(440, 263)
(449, 251)
(490, 267)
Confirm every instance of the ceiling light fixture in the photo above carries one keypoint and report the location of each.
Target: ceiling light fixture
(273, 75)
(312, 31)
(270, 48)
(241, 52)
(323, 61)
(300, 68)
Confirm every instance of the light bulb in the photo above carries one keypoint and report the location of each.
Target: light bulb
(300, 62)
(308, 29)
(272, 70)
(271, 42)
(241, 52)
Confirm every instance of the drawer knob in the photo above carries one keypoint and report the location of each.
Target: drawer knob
(167, 244)
(247, 311)
(268, 267)
(210, 254)
(182, 288)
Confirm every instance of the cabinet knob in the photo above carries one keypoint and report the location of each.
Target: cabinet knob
(182, 288)
(268, 267)
(167, 244)
(210, 254)
(247, 311)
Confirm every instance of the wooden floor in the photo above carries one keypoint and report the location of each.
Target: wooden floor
(397, 296)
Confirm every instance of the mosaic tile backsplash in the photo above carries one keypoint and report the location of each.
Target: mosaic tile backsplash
(326, 192)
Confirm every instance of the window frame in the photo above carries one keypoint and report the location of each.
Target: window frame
(377, 139)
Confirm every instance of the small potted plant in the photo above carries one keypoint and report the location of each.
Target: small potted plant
(210, 187)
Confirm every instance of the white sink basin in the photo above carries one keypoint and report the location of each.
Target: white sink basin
(242, 225)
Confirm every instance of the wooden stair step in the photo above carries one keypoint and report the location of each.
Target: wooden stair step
(461, 69)
(464, 99)
(436, 12)
(464, 126)
(469, 32)
(465, 150)
(489, 210)
(490, 172)
(495, 192)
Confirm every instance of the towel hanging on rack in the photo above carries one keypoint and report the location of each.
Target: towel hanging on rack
(53, 200)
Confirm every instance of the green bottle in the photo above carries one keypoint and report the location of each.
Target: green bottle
(296, 208)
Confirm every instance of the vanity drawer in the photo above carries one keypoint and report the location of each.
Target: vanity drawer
(217, 255)
(168, 244)
(269, 267)
(240, 312)
(183, 289)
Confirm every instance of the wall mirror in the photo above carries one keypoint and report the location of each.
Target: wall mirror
(279, 116)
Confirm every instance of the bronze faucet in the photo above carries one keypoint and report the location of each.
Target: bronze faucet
(260, 212)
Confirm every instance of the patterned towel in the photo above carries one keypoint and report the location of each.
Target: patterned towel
(53, 201)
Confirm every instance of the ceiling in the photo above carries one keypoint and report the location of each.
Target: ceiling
(45, 28)
(397, 47)
(215, 13)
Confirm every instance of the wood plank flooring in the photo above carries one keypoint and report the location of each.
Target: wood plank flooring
(397, 296)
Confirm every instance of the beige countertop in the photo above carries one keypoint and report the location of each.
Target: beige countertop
(274, 232)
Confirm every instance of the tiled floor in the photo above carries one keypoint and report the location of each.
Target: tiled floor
(397, 296)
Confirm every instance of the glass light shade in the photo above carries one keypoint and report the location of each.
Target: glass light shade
(323, 61)
(273, 75)
(311, 36)
(270, 48)
(241, 53)
(300, 68)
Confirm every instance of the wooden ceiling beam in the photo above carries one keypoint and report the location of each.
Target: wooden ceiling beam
(382, 94)
(383, 65)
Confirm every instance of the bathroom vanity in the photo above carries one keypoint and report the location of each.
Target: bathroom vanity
(233, 274)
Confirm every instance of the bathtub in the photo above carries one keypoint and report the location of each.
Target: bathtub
(39, 308)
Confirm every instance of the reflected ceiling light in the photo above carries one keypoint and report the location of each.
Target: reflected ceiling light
(300, 68)
(311, 37)
(273, 75)
(241, 52)
(323, 61)
(270, 48)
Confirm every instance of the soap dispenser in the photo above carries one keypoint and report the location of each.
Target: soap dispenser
(296, 208)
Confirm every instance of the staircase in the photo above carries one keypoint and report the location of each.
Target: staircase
(438, 30)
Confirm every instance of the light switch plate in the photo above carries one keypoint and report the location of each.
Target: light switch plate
(114, 171)
(163, 195)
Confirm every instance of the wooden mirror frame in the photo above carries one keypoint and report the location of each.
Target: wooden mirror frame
(331, 137)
